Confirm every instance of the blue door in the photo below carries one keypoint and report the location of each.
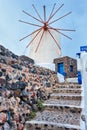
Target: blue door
(79, 77)
(60, 68)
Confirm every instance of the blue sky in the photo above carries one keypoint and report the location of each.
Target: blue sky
(11, 30)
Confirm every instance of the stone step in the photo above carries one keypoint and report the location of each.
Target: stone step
(67, 86)
(63, 108)
(67, 90)
(66, 96)
(51, 120)
(61, 102)
(44, 125)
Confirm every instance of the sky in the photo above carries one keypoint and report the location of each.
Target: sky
(11, 30)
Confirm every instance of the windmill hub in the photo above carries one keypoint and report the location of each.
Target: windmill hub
(45, 26)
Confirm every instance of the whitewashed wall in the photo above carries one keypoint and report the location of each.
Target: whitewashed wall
(47, 50)
(83, 63)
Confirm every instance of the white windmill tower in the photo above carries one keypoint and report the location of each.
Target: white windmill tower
(45, 43)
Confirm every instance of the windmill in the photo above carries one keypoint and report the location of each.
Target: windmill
(45, 41)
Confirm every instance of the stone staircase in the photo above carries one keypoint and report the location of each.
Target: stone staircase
(62, 111)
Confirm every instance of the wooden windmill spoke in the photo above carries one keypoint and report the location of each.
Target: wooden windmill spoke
(34, 38)
(37, 13)
(60, 32)
(54, 39)
(65, 35)
(65, 29)
(29, 34)
(44, 25)
(39, 41)
(32, 16)
(51, 12)
(44, 7)
(56, 11)
(29, 23)
(60, 18)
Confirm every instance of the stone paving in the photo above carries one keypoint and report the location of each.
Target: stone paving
(61, 113)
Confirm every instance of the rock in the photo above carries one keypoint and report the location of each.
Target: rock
(20, 126)
(21, 84)
(6, 126)
(3, 60)
(35, 107)
(0, 73)
(2, 48)
(16, 66)
(17, 92)
(2, 53)
(14, 56)
(48, 84)
(3, 70)
(14, 125)
(8, 54)
(2, 81)
(3, 117)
